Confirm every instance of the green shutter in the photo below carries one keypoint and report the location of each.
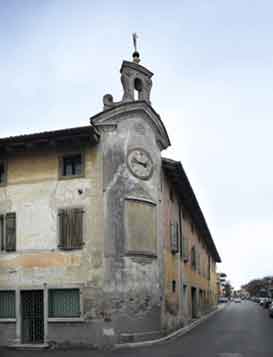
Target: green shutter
(11, 232)
(64, 303)
(7, 304)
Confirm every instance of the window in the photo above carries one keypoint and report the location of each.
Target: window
(71, 228)
(7, 304)
(193, 258)
(8, 232)
(174, 237)
(3, 173)
(71, 166)
(173, 286)
(208, 267)
(185, 248)
(64, 303)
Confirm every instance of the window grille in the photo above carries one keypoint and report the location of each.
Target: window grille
(63, 303)
(7, 304)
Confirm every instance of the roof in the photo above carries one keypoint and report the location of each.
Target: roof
(88, 132)
(175, 171)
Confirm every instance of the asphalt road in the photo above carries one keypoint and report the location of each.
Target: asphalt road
(240, 330)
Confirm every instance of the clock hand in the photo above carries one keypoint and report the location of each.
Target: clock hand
(144, 164)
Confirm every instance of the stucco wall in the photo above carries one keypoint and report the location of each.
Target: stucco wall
(177, 305)
(35, 193)
(132, 272)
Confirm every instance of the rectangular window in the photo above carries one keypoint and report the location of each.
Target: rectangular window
(71, 228)
(185, 248)
(174, 237)
(7, 304)
(3, 173)
(71, 166)
(64, 303)
(8, 232)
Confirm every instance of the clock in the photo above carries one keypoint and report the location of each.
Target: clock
(140, 163)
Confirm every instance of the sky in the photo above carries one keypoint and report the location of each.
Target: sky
(212, 86)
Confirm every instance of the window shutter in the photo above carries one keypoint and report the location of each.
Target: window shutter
(2, 238)
(10, 232)
(70, 228)
(174, 237)
(177, 237)
(77, 228)
(62, 228)
(185, 249)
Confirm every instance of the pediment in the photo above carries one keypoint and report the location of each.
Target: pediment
(112, 116)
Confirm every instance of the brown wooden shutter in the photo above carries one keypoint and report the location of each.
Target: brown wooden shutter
(10, 232)
(71, 228)
(2, 238)
(174, 237)
(177, 237)
(62, 228)
(77, 228)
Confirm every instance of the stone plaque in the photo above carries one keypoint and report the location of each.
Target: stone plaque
(140, 227)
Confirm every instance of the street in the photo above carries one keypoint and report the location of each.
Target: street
(240, 330)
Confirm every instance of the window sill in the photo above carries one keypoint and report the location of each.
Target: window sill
(7, 320)
(71, 177)
(65, 319)
(137, 253)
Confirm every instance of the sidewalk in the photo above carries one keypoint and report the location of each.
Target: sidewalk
(174, 334)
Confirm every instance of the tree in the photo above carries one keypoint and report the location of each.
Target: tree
(227, 290)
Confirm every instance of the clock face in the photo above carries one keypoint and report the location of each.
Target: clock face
(140, 163)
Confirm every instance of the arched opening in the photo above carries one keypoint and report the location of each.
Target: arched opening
(174, 286)
(138, 86)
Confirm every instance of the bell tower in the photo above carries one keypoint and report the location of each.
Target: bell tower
(136, 82)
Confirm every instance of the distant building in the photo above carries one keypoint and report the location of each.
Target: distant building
(102, 239)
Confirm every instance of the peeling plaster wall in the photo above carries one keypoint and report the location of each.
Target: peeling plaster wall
(35, 193)
(172, 317)
(132, 281)
(177, 306)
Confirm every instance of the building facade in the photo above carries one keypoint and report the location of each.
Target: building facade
(102, 239)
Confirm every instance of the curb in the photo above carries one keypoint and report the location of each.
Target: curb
(172, 335)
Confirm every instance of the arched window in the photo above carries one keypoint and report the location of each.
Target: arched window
(138, 88)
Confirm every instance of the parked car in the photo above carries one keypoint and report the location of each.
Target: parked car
(267, 302)
(270, 310)
(237, 300)
(223, 299)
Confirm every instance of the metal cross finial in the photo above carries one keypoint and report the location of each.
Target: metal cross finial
(135, 36)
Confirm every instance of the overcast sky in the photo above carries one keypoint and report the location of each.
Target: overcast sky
(213, 73)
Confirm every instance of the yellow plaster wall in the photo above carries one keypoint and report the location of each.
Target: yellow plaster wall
(34, 192)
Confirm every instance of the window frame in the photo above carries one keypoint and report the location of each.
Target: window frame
(3, 231)
(59, 245)
(174, 237)
(66, 155)
(5, 165)
(9, 319)
(193, 258)
(66, 319)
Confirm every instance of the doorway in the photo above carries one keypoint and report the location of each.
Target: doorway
(32, 310)
(194, 303)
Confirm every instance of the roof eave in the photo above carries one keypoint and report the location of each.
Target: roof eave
(187, 196)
